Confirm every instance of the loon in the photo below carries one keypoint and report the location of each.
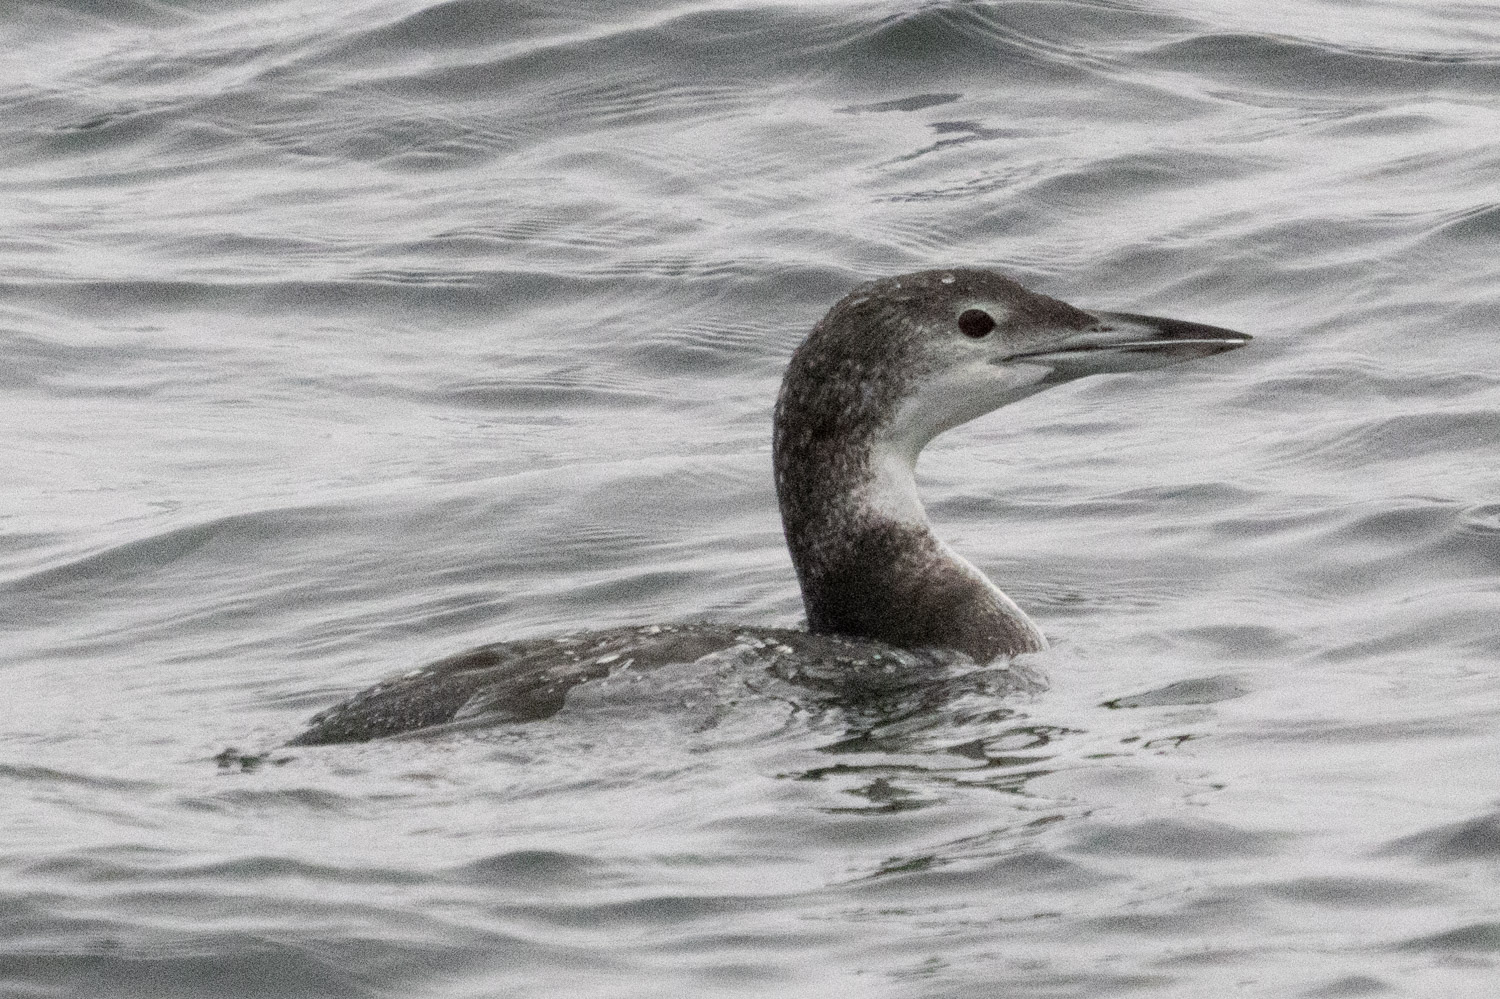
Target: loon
(892, 365)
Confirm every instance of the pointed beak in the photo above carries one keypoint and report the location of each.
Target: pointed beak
(1124, 341)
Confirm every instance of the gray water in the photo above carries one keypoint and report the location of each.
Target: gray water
(341, 337)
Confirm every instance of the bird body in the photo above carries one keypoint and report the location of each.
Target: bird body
(892, 365)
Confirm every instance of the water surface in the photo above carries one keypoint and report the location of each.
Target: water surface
(339, 338)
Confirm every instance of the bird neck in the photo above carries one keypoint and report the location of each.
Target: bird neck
(866, 558)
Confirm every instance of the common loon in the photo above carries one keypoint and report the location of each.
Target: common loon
(892, 365)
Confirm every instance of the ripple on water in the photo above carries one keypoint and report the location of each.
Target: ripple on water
(1178, 839)
(533, 870)
(1386, 439)
(1355, 892)
(1287, 63)
(1482, 938)
(1026, 871)
(1201, 690)
(461, 24)
(1481, 223)
(1482, 519)
(199, 551)
(1350, 987)
(1472, 839)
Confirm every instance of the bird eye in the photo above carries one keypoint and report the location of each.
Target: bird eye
(975, 323)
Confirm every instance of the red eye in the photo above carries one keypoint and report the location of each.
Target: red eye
(975, 323)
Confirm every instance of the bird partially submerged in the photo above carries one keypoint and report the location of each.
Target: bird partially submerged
(895, 363)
